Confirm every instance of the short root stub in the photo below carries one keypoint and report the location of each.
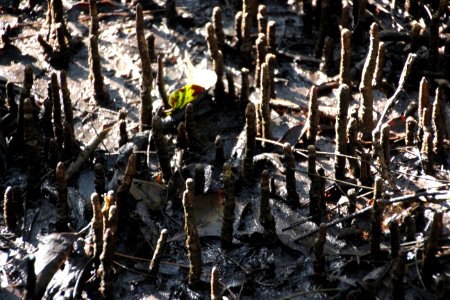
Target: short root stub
(226, 238)
(159, 252)
(291, 185)
(192, 240)
(265, 214)
(250, 144)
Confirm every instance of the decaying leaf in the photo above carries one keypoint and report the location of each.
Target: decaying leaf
(51, 255)
(208, 213)
(153, 194)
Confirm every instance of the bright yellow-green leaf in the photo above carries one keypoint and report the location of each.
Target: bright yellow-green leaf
(181, 97)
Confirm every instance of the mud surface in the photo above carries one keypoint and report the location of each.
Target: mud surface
(284, 264)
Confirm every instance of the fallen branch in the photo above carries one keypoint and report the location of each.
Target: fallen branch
(86, 153)
(396, 36)
(405, 198)
(318, 291)
(394, 98)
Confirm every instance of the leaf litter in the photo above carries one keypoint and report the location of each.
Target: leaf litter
(254, 266)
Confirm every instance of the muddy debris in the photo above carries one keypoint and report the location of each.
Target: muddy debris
(224, 149)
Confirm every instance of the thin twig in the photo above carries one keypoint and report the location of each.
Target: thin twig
(394, 98)
(86, 153)
(311, 218)
(368, 208)
(311, 292)
(338, 181)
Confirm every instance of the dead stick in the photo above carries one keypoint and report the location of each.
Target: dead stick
(393, 100)
(396, 36)
(87, 152)
(368, 208)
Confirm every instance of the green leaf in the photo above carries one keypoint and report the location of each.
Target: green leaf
(181, 97)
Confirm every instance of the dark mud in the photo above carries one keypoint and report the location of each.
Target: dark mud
(362, 254)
